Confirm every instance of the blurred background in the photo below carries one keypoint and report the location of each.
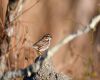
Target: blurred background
(80, 58)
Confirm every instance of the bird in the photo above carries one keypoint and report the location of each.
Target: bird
(42, 44)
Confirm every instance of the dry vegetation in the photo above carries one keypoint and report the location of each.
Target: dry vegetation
(75, 47)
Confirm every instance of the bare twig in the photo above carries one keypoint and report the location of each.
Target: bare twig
(14, 8)
(69, 38)
(37, 1)
(2, 65)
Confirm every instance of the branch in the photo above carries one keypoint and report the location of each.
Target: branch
(38, 71)
(2, 65)
(71, 37)
(37, 1)
(24, 72)
(14, 8)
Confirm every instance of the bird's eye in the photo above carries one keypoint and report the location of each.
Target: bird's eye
(46, 38)
(48, 35)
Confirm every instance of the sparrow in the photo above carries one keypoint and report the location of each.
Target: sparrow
(42, 44)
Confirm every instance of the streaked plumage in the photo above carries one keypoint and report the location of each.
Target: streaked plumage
(43, 44)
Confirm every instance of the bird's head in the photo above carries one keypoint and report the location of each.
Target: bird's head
(47, 37)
